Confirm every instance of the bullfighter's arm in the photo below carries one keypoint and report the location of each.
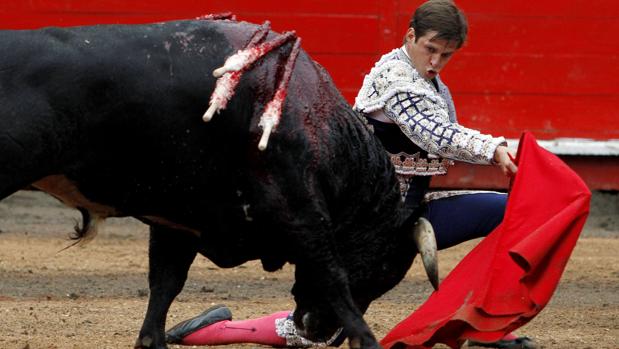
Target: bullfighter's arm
(427, 124)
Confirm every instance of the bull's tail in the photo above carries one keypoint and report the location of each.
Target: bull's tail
(87, 231)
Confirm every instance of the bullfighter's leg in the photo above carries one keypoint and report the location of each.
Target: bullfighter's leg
(460, 218)
(171, 253)
(261, 330)
(277, 330)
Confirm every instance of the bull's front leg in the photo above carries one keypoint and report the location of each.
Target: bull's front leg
(171, 253)
(321, 279)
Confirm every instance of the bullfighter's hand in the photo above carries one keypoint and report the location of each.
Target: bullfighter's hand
(503, 160)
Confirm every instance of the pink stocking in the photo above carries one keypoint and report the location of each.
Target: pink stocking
(258, 331)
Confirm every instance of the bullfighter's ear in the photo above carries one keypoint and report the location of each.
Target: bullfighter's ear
(423, 235)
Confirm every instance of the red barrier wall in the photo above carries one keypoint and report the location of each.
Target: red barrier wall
(549, 67)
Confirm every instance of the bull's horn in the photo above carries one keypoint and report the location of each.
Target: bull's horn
(424, 238)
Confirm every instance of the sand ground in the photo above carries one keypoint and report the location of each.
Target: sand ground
(95, 297)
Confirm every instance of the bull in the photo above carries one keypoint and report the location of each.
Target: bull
(107, 120)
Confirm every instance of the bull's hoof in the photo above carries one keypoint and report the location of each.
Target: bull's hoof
(146, 342)
(368, 343)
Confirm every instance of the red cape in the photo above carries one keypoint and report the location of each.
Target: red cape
(511, 275)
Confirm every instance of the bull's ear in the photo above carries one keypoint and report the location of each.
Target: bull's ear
(423, 236)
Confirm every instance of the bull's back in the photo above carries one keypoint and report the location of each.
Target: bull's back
(122, 106)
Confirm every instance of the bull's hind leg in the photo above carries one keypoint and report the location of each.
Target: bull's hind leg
(171, 253)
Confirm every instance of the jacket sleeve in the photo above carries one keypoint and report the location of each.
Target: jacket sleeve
(425, 121)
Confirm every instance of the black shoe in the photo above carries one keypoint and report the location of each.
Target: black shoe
(210, 316)
(517, 343)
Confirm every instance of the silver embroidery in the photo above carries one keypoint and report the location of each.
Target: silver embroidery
(415, 165)
(285, 328)
(421, 112)
(407, 166)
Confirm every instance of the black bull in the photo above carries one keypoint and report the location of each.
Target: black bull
(108, 120)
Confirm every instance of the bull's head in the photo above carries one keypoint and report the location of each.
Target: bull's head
(372, 237)
(369, 276)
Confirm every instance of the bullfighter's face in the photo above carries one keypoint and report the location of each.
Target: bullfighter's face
(429, 55)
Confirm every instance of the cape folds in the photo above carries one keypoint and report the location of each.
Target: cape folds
(510, 276)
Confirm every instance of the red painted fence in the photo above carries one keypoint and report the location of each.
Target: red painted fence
(549, 67)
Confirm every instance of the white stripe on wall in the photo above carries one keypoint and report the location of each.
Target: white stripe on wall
(575, 146)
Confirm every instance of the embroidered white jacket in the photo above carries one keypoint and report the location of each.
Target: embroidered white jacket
(422, 113)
